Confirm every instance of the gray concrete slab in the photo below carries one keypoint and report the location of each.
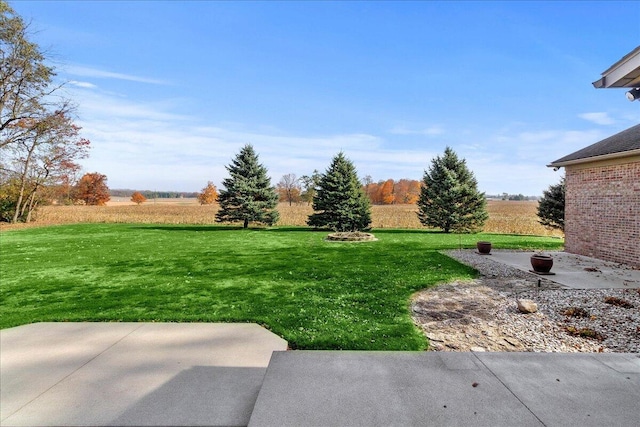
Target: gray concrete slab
(575, 271)
(35, 357)
(573, 389)
(448, 389)
(132, 373)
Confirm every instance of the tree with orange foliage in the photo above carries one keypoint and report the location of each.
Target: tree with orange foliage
(386, 192)
(92, 189)
(138, 198)
(372, 189)
(400, 190)
(208, 195)
(407, 191)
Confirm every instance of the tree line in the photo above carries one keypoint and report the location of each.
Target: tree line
(513, 197)
(149, 194)
(294, 190)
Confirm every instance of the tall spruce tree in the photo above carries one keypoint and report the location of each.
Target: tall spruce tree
(248, 195)
(340, 203)
(551, 206)
(449, 197)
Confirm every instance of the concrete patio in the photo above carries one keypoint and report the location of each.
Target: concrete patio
(449, 389)
(157, 374)
(63, 374)
(575, 271)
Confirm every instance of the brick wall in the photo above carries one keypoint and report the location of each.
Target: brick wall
(602, 210)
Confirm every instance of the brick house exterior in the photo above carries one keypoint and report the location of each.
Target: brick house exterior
(602, 201)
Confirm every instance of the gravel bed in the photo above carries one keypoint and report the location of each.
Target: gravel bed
(591, 320)
(586, 310)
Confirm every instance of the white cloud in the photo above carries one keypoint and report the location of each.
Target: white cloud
(148, 146)
(78, 70)
(598, 118)
(84, 85)
(514, 161)
(102, 105)
(542, 146)
(143, 146)
(428, 131)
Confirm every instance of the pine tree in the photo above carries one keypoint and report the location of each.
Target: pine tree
(248, 195)
(551, 206)
(340, 203)
(449, 198)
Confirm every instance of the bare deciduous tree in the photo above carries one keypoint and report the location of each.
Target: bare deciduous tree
(289, 188)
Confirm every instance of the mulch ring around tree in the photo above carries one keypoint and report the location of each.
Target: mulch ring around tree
(351, 236)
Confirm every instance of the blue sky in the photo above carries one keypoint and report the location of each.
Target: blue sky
(168, 92)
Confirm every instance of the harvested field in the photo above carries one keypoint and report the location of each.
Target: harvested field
(508, 217)
(505, 216)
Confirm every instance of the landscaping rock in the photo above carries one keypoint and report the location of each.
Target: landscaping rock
(492, 321)
(527, 306)
(351, 236)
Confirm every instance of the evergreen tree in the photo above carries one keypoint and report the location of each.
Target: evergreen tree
(248, 195)
(551, 206)
(449, 197)
(340, 203)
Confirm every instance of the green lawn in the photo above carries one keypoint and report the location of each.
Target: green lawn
(313, 293)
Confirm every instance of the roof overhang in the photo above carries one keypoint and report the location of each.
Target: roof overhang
(624, 73)
(611, 156)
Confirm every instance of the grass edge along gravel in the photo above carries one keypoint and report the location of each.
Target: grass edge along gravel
(313, 293)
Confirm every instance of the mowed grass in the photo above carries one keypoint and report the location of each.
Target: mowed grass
(313, 293)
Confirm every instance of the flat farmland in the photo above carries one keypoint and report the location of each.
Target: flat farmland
(506, 217)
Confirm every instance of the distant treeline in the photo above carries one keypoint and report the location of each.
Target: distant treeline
(375, 192)
(505, 196)
(153, 194)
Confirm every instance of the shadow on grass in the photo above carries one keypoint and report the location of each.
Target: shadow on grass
(405, 231)
(293, 229)
(187, 227)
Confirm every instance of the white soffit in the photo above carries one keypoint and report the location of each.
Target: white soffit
(624, 73)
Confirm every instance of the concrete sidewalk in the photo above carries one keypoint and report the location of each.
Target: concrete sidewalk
(575, 271)
(321, 388)
(63, 374)
(160, 374)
